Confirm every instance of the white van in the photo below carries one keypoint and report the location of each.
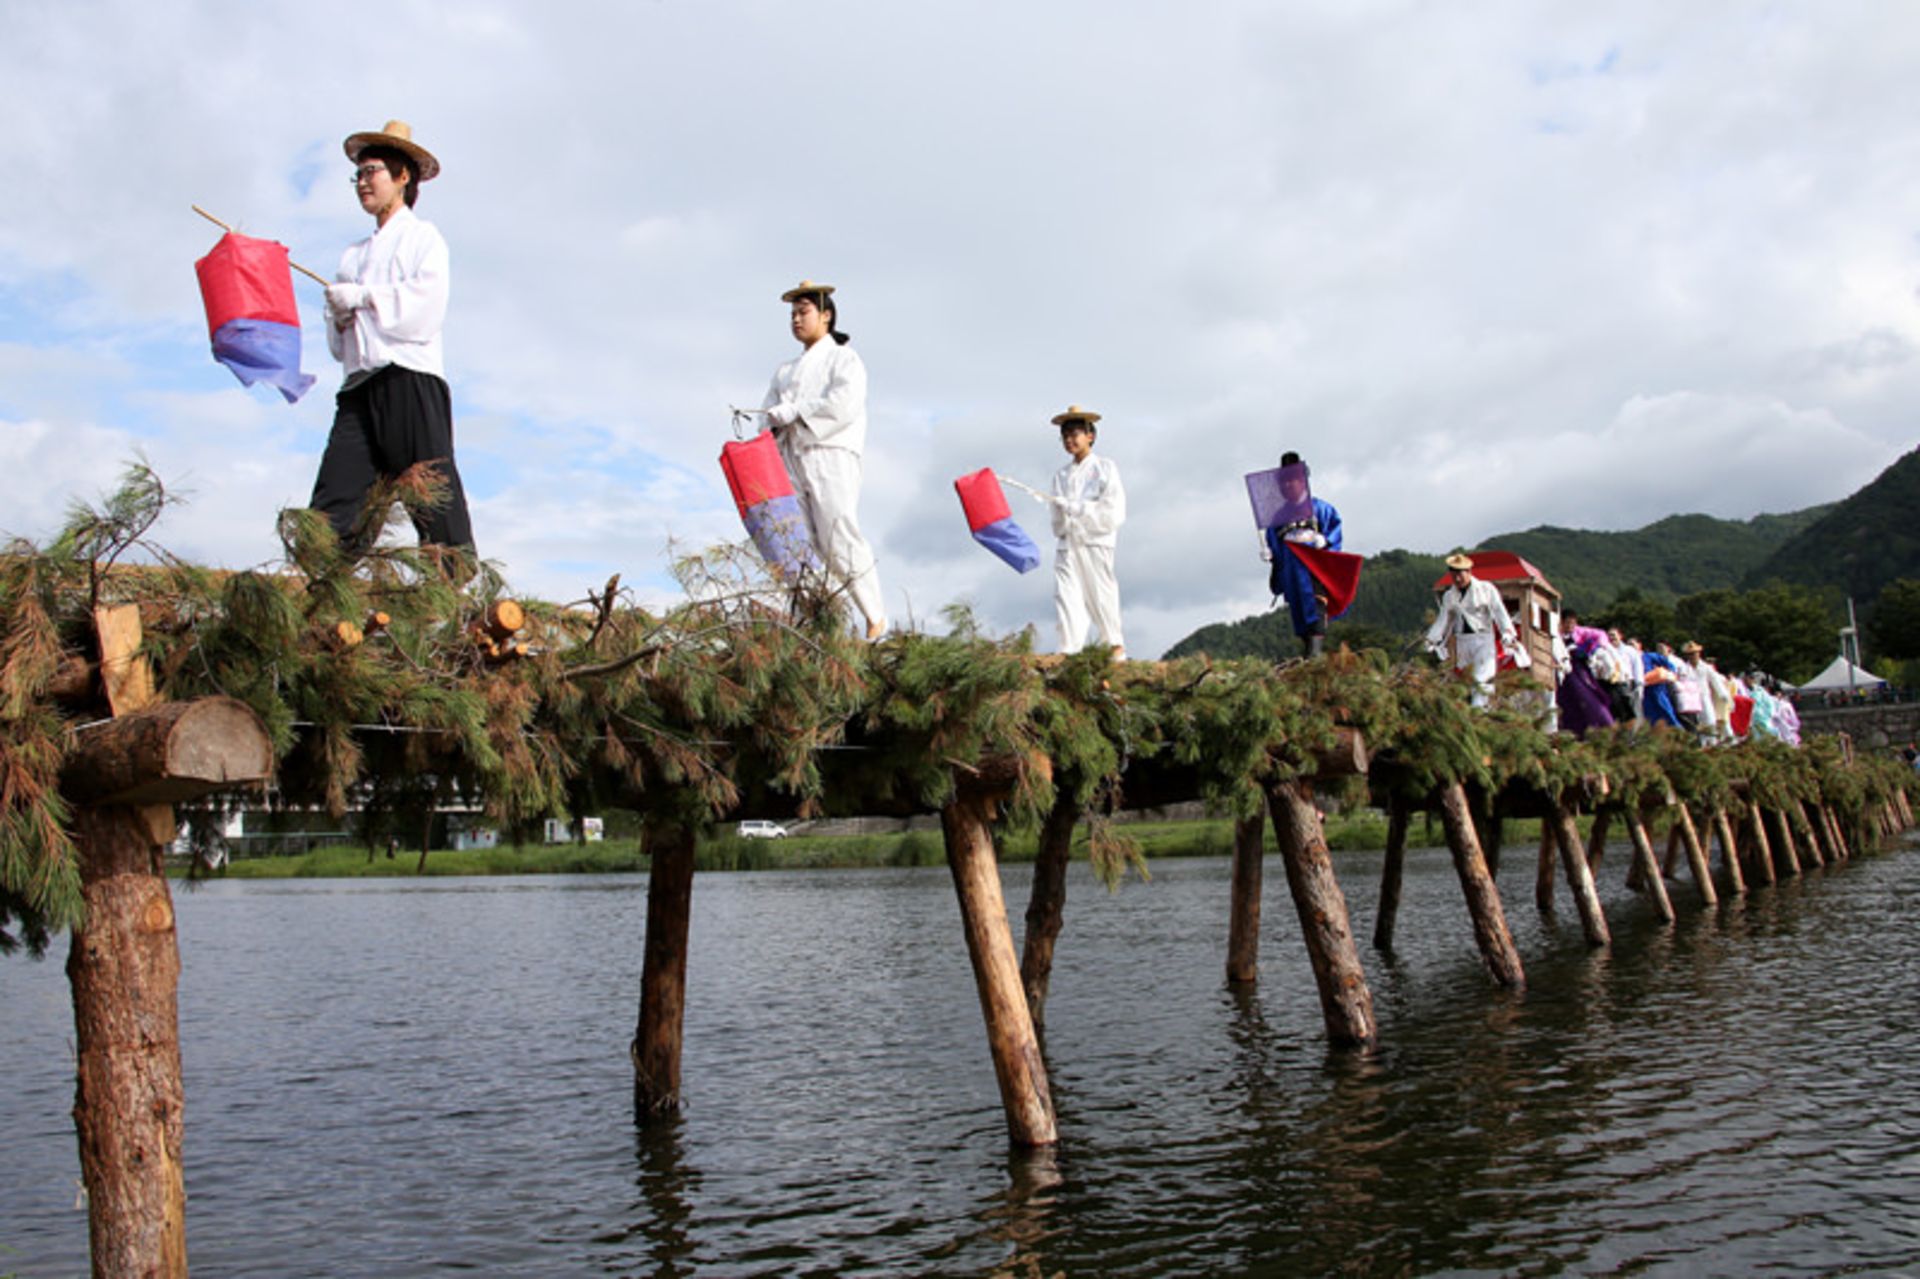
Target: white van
(762, 830)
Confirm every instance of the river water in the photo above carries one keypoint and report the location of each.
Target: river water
(423, 1077)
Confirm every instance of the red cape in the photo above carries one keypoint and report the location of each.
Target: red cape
(1336, 571)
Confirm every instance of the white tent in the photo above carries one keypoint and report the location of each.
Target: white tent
(1835, 676)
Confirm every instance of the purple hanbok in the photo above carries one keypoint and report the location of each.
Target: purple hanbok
(1584, 704)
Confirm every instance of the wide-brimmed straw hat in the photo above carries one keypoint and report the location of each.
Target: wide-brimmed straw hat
(1074, 414)
(805, 287)
(1462, 562)
(397, 134)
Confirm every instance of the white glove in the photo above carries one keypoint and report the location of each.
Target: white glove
(1076, 508)
(1521, 658)
(783, 414)
(1307, 537)
(1266, 555)
(344, 297)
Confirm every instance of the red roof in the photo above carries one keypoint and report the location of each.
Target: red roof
(1500, 566)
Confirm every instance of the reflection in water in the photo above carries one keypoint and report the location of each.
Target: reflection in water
(667, 1188)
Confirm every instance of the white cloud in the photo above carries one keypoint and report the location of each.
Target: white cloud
(1485, 267)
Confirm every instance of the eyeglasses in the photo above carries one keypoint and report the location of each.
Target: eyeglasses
(366, 173)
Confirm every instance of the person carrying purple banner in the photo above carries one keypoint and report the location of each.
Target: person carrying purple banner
(1308, 521)
(1584, 704)
(384, 314)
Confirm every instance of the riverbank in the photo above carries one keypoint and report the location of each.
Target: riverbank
(1349, 832)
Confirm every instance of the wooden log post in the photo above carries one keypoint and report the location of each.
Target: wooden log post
(1818, 846)
(1905, 808)
(124, 965)
(1047, 902)
(1839, 835)
(1720, 829)
(1243, 922)
(1011, 1039)
(1573, 858)
(1491, 843)
(1757, 823)
(1648, 865)
(1391, 871)
(658, 1036)
(1597, 842)
(1759, 851)
(1672, 858)
(1784, 834)
(1345, 1001)
(1543, 868)
(1490, 930)
(1696, 854)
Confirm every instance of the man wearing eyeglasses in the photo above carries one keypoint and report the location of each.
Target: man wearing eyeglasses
(384, 314)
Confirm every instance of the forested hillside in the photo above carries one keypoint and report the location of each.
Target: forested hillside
(1671, 558)
(1859, 545)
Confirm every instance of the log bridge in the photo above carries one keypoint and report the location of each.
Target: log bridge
(1755, 844)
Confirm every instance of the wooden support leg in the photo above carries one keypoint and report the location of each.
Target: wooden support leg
(1243, 922)
(1046, 905)
(1573, 857)
(124, 969)
(1761, 842)
(1345, 1001)
(1819, 847)
(1543, 868)
(996, 973)
(663, 972)
(1784, 834)
(1833, 826)
(1597, 843)
(1720, 829)
(1483, 899)
(1696, 854)
(1390, 873)
(1649, 868)
(1906, 809)
(1490, 846)
(1672, 858)
(1760, 851)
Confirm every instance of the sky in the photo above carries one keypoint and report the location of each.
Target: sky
(1485, 266)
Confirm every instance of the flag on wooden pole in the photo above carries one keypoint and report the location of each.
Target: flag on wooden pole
(247, 286)
(991, 522)
(764, 496)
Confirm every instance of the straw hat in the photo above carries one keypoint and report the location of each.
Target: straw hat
(1075, 413)
(397, 134)
(806, 287)
(1459, 561)
(1692, 646)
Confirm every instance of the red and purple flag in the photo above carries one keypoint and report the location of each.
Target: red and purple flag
(991, 520)
(251, 316)
(764, 495)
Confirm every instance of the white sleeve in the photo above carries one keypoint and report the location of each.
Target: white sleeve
(1103, 516)
(841, 403)
(413, 307)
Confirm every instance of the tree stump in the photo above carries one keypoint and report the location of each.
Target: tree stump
(1345, 1001)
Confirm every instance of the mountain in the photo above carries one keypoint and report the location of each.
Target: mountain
(1676, 556)
(1858, 545)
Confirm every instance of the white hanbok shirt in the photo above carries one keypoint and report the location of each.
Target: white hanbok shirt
(1478, 610)
(1093, 504)
(821, 395)
(402, 273)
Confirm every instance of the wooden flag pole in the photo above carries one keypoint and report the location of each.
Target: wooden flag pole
(317, 279)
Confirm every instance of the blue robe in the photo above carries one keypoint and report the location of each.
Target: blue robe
(1289, 577)
(1658, 698)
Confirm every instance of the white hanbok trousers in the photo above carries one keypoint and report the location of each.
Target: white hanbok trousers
(1086, 591)
(1474, 654)
(827, 484)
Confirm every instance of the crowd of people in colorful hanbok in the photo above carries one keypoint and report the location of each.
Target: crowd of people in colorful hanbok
(1604, 678)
